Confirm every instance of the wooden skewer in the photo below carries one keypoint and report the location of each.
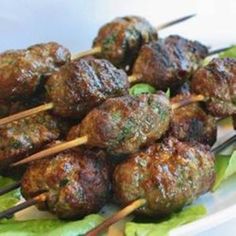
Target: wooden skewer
(40, 198)
(174, 22)
(9, 188)
(116, 217)
(141, 202)
(53, 150)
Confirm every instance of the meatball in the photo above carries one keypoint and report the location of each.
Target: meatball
(121, 39)
(192, 123)
(76, 183)
(23, 71)
(168, 63)
(20, 138)
(81, 85)
(123, 125)
(217, 82)
(168, 175)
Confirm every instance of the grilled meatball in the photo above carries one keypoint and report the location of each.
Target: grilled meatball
(83, 84)
(77, 184)
(168, 63)
(22, 137)
(123, 125)
(22, 71)
(168, 175)
(192, 123)
(217, 82)
(121, 39)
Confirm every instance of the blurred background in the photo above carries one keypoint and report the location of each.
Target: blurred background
(75, 23)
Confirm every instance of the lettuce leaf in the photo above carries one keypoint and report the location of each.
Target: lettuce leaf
(229, 53)
(52, 227)
(225, 167)
(9, 199)
(185, 216)
(141, 88)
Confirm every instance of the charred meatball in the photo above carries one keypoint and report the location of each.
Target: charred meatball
(168, 175)
(81, 85)
(217, 82)
(121, 39)
(76, 183)
(168, 63)
(192, 123)
(20, 138)
(22, 71)
(123, 125)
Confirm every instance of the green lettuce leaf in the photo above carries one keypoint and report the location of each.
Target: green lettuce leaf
(229, 53)
(185, 216)
(52, 227)
(225, 167)
(9, 199)
(141, 88)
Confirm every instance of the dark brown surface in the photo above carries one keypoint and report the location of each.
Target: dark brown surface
(217, 81)
(168, 175)
(81, 85)
(22, 137)
(192, 123)
(169, 62)
(78, 183)
(234, 121)
(123, 125)
(22, 71)
(122, 38)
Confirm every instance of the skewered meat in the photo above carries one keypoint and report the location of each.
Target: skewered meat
(168, 175)
(81, 85)
(122, 125)
(77, 183)
(122, 38)
(169, 62)
(22, 71)
(22, 137)
(191, 123)
(217, 82)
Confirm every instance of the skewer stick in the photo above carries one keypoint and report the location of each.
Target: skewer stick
(9, 188)
(225, 144)
(173, 22)
(116, 217)
(140, 202)
(91, 51)
(26, 113)
(53, 150)
(219, 50)
(40, 198)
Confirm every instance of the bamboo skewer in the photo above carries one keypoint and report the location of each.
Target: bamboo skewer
(9, 212)
(9, 188)
(116, 217)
